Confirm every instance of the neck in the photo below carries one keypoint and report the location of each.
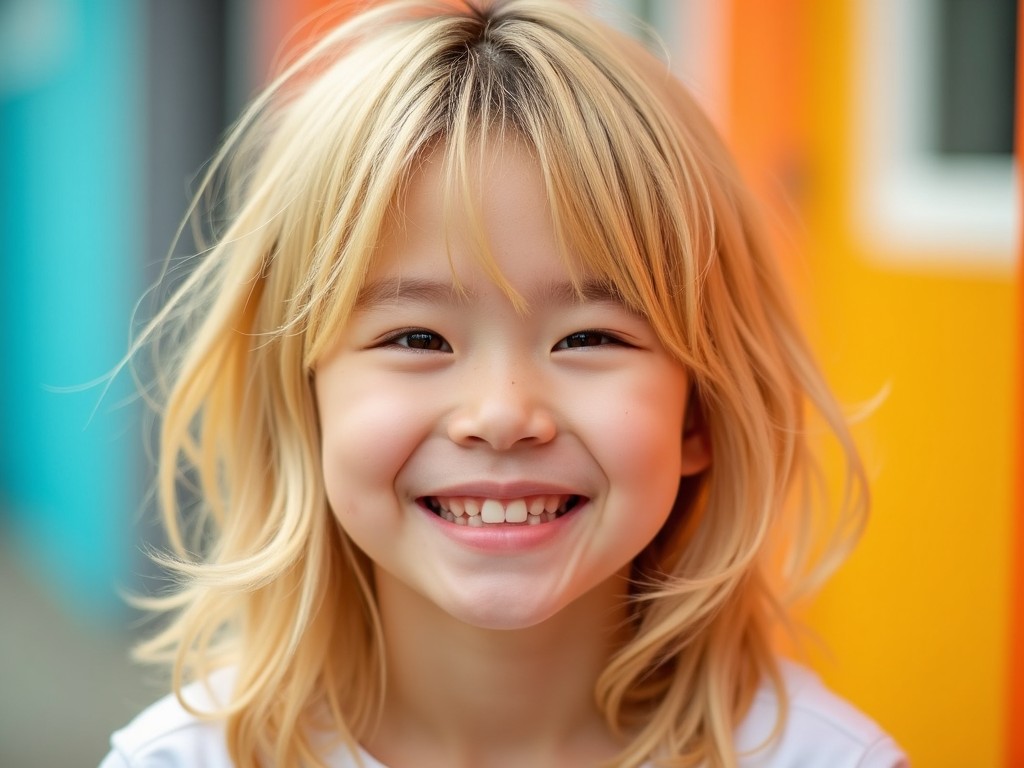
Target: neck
(461, 695)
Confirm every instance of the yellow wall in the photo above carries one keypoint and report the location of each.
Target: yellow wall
(917, 623)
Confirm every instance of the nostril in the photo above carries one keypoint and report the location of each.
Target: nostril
(502, 423)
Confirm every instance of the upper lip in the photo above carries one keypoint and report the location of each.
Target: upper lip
(505, 490)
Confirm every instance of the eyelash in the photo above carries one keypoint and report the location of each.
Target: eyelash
(429, 341)
(604, 339)
(435, 342)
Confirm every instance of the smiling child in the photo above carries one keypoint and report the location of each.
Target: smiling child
(497, 407)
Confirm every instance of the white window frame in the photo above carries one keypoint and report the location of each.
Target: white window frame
(911, 205)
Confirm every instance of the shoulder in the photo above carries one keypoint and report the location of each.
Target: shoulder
(166, 735)
(821, 729)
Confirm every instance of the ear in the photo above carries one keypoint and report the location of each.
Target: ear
(696, 454)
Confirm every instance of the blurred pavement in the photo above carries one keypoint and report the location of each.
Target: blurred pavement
(64, 685)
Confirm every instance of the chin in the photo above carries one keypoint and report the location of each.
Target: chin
(506, 609)
(505, 622)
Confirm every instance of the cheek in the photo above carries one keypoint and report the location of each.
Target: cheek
(367, 436)
(642, 432)
(640, 453)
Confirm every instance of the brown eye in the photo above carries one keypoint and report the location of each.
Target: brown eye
(427, 341)
(586, 339)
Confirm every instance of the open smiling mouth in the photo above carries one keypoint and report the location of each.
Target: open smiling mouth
(473, 511)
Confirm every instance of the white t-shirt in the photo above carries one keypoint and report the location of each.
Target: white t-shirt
(822, 731)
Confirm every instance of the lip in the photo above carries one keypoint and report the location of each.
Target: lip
(504, 539)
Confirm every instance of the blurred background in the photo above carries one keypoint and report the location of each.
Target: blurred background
(879, 134)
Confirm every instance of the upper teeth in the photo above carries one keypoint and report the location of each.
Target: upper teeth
(467, 510)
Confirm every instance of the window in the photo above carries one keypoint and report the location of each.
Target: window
(933, 164)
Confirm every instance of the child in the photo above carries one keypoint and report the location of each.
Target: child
(495, 403)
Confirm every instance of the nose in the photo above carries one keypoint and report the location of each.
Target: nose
(503, 410)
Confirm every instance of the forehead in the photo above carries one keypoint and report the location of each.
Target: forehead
(497, 187)
(438, 250)
(487, 212)
(455, 234)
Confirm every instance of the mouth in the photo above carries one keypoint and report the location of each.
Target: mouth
(477, 512)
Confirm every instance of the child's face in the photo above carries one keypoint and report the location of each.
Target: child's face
(434, 404)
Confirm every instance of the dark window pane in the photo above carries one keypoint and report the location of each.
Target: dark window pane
(975, 47)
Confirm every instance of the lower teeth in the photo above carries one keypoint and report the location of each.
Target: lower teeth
(477, 521)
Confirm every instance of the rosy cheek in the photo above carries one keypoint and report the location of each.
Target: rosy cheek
(647, 449)
(367, 436)
(647, 434)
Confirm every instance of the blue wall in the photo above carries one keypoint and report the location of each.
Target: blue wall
(71, 266)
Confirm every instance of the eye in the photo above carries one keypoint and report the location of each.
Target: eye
(586, 339)
(419, 339)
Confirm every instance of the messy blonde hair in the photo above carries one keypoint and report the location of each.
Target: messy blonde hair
(644, 195)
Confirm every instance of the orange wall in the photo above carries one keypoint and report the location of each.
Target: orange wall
(916, 626)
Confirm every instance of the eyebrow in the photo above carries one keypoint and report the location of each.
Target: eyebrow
(393, 290)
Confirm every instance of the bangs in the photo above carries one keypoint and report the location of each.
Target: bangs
(626, 210)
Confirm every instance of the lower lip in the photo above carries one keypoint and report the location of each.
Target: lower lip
(498, 538)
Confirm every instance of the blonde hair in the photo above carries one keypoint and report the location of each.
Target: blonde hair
(645, 195)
